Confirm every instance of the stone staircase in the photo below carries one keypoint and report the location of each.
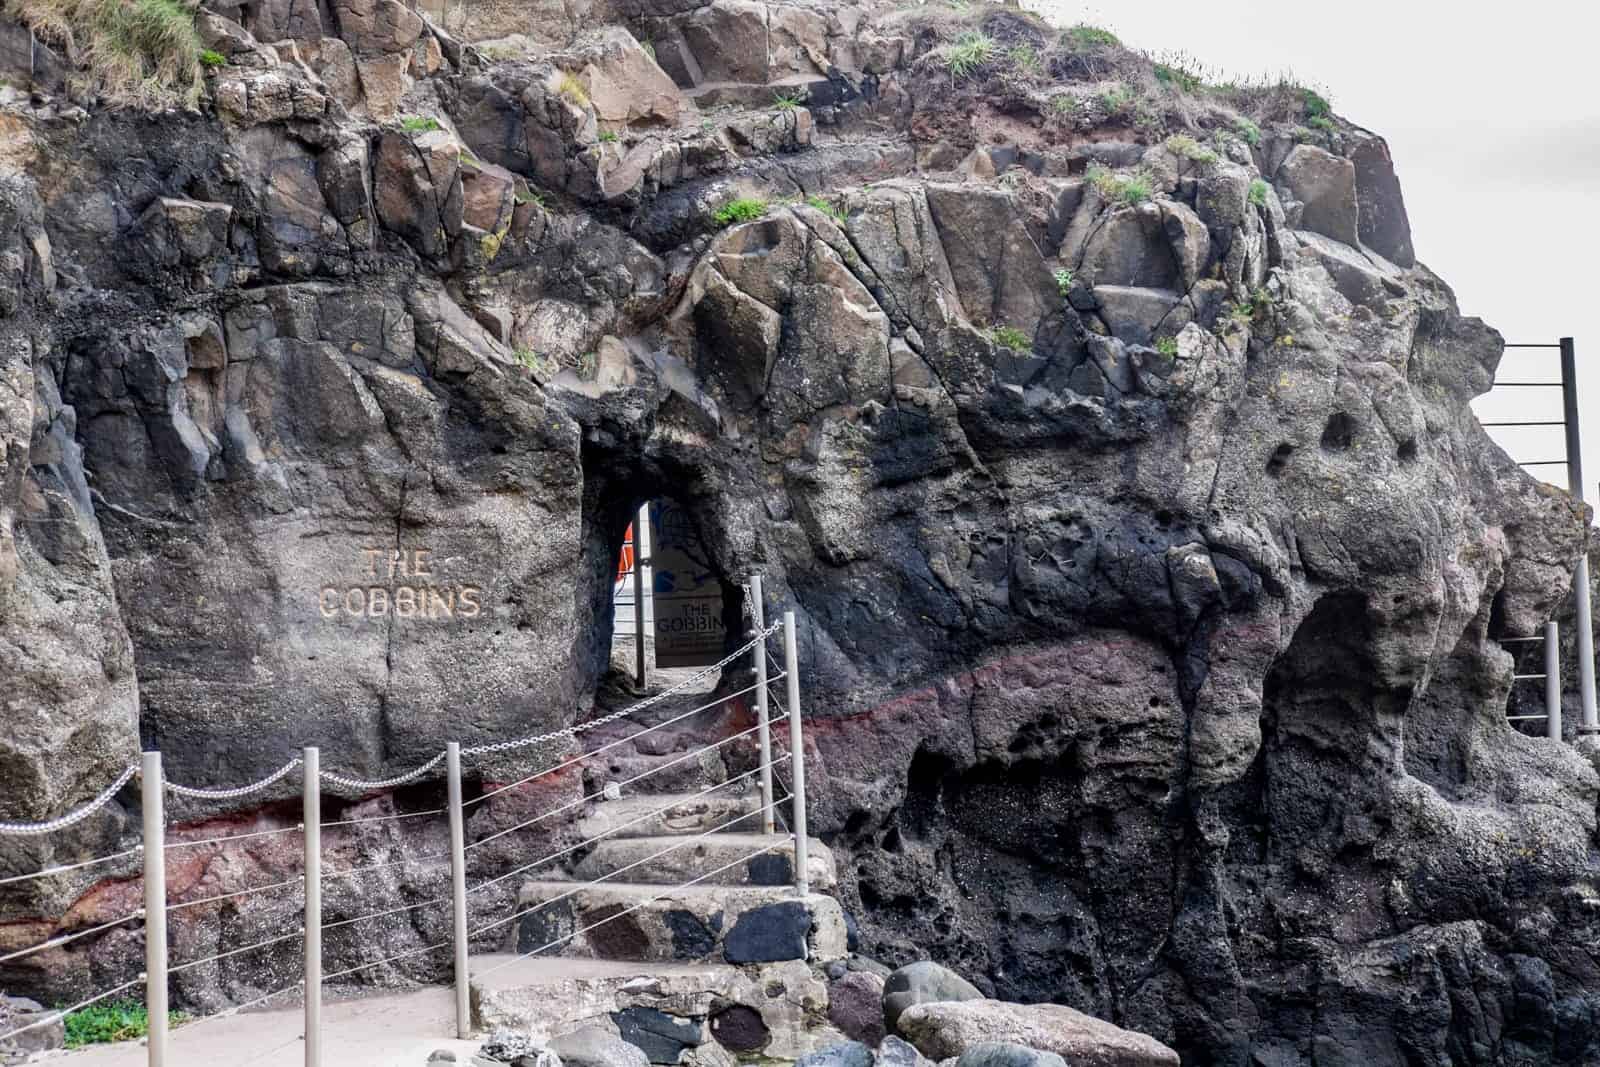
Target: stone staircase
(679, 873)
(697, 975)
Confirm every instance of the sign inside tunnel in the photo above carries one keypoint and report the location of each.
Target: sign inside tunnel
(689, 631)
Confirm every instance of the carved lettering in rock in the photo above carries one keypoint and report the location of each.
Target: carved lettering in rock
(401, 583)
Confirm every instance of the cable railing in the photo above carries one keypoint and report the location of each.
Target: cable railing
(162, 899)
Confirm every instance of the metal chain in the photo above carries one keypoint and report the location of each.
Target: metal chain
(29, 829)
(573, 731)
(385, 783)
(234, 794)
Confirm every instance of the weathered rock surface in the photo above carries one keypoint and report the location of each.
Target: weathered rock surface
(974, 1028)
(922, 982)
(1152, 571)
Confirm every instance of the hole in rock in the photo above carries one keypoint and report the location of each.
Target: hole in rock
(1408, 450)
(740, 1029)
(1339, 433)
(1279, 459)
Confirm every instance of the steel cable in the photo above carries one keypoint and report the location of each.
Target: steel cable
(236, 952)
(63, 868)
(61, 1013)
(68, 938)
(685, 843)
(574, 760)
(387, 911)
(777, 842)
(240, 893)
(387, 959)
(383, 818)
(296, 828)
(647, 816)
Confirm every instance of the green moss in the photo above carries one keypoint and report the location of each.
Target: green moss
(607, 136)
(828, 208)
(1011, 337)
(744, 209)
(209, 58)
(419, 123)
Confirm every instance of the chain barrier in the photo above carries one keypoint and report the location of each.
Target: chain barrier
(33, 829)
(574, 730)
(366, 786)
(234, 794)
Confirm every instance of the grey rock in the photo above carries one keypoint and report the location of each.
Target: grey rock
(594, 1047)
(894, 1052)
(922, 983)
(1326, 185)
(442, 1055)
(663, 1038)
(848, 1054)
(505, 1045)
(1002, 1054)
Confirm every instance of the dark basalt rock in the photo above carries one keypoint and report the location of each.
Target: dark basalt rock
(769, 933)
(1153, 662)
(662, 1037)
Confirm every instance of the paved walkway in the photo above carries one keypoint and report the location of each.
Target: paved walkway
(390, 1030)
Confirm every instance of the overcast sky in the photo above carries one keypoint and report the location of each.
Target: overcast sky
(1491, 114)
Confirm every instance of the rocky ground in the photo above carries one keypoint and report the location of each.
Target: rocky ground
(1103, 429)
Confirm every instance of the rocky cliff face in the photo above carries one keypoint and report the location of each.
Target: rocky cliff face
(1104, 431)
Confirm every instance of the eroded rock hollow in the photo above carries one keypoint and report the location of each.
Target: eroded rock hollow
(1106, 434)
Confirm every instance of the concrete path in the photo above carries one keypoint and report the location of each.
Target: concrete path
(391, 1030)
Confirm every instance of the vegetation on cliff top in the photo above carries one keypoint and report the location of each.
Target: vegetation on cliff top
(144, 53)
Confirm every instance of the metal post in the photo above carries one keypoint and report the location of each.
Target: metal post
(758, 612)
(1552, 680)
(311, 816)
(458, 889)
(640, 522)
(797, 755)
(151, 791)
(1584, 609)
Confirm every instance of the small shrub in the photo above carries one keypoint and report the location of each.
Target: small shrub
(1176, 77)
(569, 87)
(788, 101)
(1301, 134)
(419, 123)
(828, 208)
(970, 52)
(1167, 346)
(588, 366)
(1260, 302)
(1066, 105)
(1063, 281)
(1316, 104)
(1083, 36)
(1011, 337)
(211, 58)
(1186, 147)
(1117, 101)
(744, 209)
(607, 136)
(1130, 189)
(1248, 131)
(1321, 122)
(1025, 59)
(1258, 193)
(116, 1020)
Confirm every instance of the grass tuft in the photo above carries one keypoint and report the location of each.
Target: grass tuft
(1063, 281)
(788, 101)
(828, 208)
(1248, 131)
(1131, 189)
(1258, 193)
(1011, 337)
(568, 86)
(744, 209)
(1085, 36)
(970, 52)
(1167, 345)
(1176, 77)
(606, 136)
(419, 123)
(140, 53)
(1024, 58)
(211, 58)
(1316, 105)
(1117, 101)
(1181, 144)
(537, 362)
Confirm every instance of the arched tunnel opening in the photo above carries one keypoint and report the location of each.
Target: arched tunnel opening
(654, 551)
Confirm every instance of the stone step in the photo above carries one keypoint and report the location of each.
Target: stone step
(646, 923)
(679, 813)
(647, 860)
(712, 1011)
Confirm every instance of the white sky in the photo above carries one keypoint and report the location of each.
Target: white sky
(1492, 116)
